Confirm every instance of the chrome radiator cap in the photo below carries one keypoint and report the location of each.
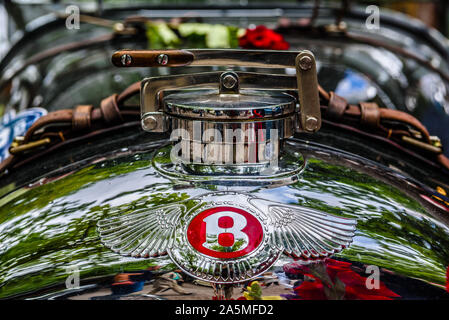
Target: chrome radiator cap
(230, 124)
(230, 127)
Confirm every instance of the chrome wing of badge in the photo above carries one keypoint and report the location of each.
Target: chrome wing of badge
(306, 233)
(226, 237)
(141, 234)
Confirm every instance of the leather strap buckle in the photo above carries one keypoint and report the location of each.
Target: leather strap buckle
(337, 106)
(82, 117)
(110, 110)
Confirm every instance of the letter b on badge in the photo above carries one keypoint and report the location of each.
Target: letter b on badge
(224, 232)
(226, 227)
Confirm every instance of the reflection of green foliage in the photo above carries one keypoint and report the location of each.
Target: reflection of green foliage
(396, 228)
(191, 35)
(422, 238)
(345, 182)
(235, 247)
(161, 36)
(39, 198)
(217, 247)
(46, 231)
(199, 35)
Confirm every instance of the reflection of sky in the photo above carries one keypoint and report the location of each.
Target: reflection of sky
(123, 189)
(385, 251)
(279, 195)
(338, 195)
(355, 87)
(132, 186)
(4, 43)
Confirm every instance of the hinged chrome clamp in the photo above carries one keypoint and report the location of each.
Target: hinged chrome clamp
(155, 117)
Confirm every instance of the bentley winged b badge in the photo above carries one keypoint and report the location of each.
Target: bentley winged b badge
(227, 237)
(227, 127)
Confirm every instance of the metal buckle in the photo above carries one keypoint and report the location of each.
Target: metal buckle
(435, 147)
(153, 116)
(17, 146)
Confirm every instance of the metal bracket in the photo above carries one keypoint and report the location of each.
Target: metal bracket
(153, 117)
(309, 100)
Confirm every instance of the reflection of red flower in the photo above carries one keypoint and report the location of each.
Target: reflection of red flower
(334, 279)
(263, 38)
(223, 298)
(447, 279)
(311, 290)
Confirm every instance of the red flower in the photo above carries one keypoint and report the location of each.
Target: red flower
(334, 279)
(263, 38)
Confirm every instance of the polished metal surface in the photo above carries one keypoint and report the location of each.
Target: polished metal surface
(228, 126)
(51, 224)
(146, 233)
(305, 233)
(247, 105)
(235, 250)
(232, 128)
(265, 172)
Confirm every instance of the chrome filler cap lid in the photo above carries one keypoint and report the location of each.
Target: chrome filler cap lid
(247, 105)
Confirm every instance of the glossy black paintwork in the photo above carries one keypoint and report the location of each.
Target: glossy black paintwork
(49, 208)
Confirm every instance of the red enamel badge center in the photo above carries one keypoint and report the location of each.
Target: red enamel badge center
(225, 232)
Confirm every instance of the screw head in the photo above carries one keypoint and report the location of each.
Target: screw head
(305, 63)
(149, 123)
(162, 59)
(311, 123)
(229, 81)
(119, 27)
(126, 60)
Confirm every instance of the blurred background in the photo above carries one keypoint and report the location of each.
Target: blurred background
(401, 64)
(433, 13)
